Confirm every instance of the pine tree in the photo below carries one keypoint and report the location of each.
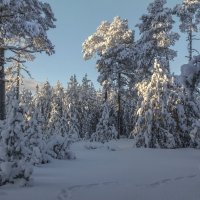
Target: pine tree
(24, 25)
(14, 72)
(113, 43)
(189, 15)
(156, 38)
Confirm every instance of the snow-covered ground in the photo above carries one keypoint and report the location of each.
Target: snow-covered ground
(119, 172)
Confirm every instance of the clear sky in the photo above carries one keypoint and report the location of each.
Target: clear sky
(78, 19)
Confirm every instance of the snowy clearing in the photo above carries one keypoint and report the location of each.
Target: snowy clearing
(114, 171)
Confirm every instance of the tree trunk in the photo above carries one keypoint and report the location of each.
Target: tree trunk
(190, 44)
(2, 84)
(18, 78)
(119, 127)
(106, 95)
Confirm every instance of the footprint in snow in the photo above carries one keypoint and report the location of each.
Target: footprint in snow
(178, 178)
(64, 195)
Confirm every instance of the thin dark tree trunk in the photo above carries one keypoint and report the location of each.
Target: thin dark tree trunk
(119, 127)
(106, 94)
(18, 78)
(190, 44)
(2, 84)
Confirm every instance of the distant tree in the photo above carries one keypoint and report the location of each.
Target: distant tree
(58, 117)
(189, 15)
(73, 122)
(105, 131)
(72, 91)
(35, 140)
(25, 99)
(24, 25)
(156, 38)
(44, 102)
(74, 107)
(89, 108)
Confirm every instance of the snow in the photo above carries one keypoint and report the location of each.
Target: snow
(115, 171)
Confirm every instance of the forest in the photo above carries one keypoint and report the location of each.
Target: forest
(139, 98)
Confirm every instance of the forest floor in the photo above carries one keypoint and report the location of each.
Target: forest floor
(114, 171)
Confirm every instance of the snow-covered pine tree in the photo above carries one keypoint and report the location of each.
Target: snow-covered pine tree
(58, 117)
(58, 128)
(73, 122)
(44, 103)
(189, 15)
(190, 74)
(14, 156)
(113, 43)
(25, 99)
(195, 134)
(105, 130)
(15, 72)
(190, 79)
(24, 25)
(161, 116)
(35, 139)
(156, 38)
(89, 110)
(128, 117)
(74, 108)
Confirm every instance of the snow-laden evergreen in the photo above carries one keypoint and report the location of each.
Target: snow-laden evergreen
(28, 21)
(161, 116)
(58, 147)
(156, 38)
(44, 103)
(73, 122)
(189, 15)
(113, 43)
(89, 108)
(195, 134)
(35, 139)
(24, 26)
(105, 130)
(58, 116)
(190, 75)
(14, 157)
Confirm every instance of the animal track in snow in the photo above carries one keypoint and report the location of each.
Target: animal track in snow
(168, 180)
(66, 194)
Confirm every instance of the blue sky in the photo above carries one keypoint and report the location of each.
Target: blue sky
(78, 19)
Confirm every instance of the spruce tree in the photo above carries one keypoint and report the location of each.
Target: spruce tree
(105, 130)
(161, 116)
(15, 160)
